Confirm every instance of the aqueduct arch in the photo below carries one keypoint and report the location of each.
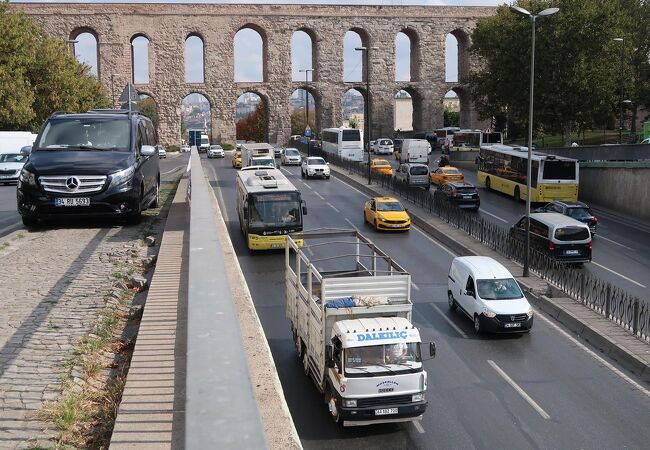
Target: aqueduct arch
(115, 25)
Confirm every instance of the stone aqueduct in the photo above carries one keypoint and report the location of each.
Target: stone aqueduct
(168, 25)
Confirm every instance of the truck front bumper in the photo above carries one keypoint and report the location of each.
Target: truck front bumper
(369, 416)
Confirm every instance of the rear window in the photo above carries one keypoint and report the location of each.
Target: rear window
(419, 170)
(466, 190)
(384, 142)
(578, 213)
(571, 234)
(559, 170)
(350, 135)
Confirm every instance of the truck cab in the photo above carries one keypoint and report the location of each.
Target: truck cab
(375, 371)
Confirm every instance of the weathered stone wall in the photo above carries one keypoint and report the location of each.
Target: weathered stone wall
(168, 25)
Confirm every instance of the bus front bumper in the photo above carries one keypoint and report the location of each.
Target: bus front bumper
(258, 242)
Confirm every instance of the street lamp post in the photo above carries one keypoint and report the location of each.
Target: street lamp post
(367, 118)
(620, 99)
(533, 19)
(307, 105)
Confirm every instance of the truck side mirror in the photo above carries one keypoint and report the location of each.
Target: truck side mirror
(329, 356)
(245, 212)
(432, 349)
(470, 293)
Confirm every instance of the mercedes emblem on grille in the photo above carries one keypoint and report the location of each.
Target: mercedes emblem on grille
(72, 183)
(512, 318)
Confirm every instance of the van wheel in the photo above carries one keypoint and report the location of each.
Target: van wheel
(29, 221)
(156, 200)
(477, 324)
(487, 183)
(451, 301)
(517, 193)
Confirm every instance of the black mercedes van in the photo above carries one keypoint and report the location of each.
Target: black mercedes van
(102, 163)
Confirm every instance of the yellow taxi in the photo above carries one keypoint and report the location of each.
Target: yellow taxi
(381, 167)
(236, 160)
(386, 213)
(446, 174)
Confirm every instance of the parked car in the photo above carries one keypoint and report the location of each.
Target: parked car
(216, 151)
(413, 174)
(446, 174)
(236, 159)
(383, 147)
(576, 210)
(162, 153)
(489, 295)
(10, 166)
(381, 167)
(315, 166)
(386, 213)
(561, 237)
(464, 195)
(290, 156)
(100, 164)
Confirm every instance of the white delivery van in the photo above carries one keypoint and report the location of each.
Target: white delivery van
(414, 151)
(489, 295)
(13, 141)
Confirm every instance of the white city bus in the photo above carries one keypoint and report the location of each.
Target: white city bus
(269, 207)
(344, 142)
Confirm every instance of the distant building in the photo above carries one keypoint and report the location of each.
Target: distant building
(451, 104)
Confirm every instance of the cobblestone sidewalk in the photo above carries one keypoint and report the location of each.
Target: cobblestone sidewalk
(54, 284)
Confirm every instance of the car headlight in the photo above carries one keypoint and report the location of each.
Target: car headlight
(418, 397)
(488, 313)
(350, 403)
(123, 176)
(529, 313)
(27, 177)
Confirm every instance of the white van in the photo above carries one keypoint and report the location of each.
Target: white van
(488, 293)
(414, 151)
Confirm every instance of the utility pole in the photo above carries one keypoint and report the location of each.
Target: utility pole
(367, 119)
(620, 100)
(307, 107)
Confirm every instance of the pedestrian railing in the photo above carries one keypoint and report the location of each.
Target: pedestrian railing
(612, 302)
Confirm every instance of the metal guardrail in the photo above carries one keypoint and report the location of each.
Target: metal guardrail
(612, 302)
(221, 409)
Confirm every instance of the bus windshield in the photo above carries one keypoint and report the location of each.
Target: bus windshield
(274, 210)
(559, 170)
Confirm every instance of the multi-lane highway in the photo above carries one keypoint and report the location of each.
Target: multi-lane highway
(10, 219)
(543, 390)
(621, 249)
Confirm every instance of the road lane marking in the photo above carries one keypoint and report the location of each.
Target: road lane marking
(620, 275)
(614, 242)
(593, 354)
(415, 286)
(449, 321)
(319, 196)
(434, 241)
(418, 426)
(350, 222)
(333, 207)
(310, 188)
(493, 215)
(519, 390)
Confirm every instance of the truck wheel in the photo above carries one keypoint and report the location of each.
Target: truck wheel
(331, 404)
(299, 348)
(452, 302)
(305, 363)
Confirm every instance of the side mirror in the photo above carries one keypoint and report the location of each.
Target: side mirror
(148, 150)
(432, 349)
(245, 212)
(304, 208)
(26, 150)
(329, 356)
(470, 293)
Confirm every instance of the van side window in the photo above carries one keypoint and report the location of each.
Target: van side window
(140, 138)
(469, 287)
(151, 133)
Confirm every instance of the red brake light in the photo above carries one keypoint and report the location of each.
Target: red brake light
(551, 246)
(594, 219)
(590, 244)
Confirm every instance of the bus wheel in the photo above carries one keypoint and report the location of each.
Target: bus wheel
(517, 193)
(487, 183)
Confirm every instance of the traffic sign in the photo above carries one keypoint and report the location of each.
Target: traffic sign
(307, 131)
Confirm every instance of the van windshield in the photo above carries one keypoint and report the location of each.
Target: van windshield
(91, 133)
(572, 234)
(498, 289)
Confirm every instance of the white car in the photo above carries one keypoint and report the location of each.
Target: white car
(216, 151)
(162, 153)
(185, 148)
(383, 147)
(315, 166)
(645, 141)
(10, 166)
(489, 295)
(290, 156)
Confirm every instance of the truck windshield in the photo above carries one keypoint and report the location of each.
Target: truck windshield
(388, 357)
(92, 133)
(271, 211)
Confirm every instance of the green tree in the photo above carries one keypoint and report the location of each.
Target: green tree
(39, 75)
(576, 64)
(451, 118)
(148, 107)
(298, 121)
(253, 127)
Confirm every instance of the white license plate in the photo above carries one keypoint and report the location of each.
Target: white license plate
(397, 226)
(571, 252)
(513, 325)
(467, 196)
(72, 201)
(384, 412)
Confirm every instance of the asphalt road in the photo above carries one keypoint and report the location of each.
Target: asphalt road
(10, 219)
(580, 401)
(621, 247)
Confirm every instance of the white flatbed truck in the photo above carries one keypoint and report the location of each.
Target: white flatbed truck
(352, 328)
